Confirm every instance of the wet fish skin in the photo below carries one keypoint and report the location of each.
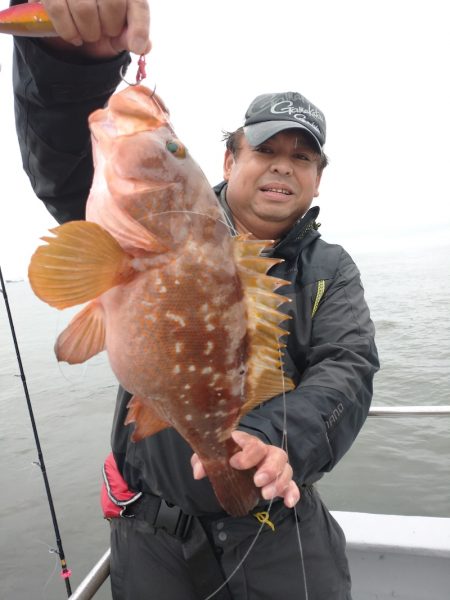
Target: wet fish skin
(167, 291)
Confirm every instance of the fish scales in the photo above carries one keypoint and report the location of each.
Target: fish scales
(170, 292)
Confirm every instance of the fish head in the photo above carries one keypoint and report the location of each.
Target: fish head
(135, 132)
(143, 170)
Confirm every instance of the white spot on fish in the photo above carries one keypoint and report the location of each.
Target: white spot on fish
(188, 417)
(206, 370)
(210, 327)
(176, 282)
(222, 401)
(178, 347)
(151, 318)
(187, 387)
(162, 289)
(191, 368)
(207, 415)
(173, 317)
(176, 369)
(209, 348)
(221, 413)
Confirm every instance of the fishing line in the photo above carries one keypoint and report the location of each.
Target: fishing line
(284, 445)
(65, 571)
(269, 507)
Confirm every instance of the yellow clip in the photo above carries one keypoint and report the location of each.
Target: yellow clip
(263, 517)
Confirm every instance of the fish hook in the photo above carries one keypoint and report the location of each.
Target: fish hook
(140, 75)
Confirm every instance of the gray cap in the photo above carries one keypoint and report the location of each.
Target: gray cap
(269, 114)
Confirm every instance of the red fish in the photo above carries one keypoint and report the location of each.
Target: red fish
(29, 19)
(186, 313)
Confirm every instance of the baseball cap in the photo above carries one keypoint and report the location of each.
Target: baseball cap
(269, 114)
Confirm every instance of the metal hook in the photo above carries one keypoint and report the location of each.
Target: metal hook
(123, 78)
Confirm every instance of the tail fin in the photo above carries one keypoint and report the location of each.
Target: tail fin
(234, 489)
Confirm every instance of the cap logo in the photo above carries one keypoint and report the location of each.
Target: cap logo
(289, 106)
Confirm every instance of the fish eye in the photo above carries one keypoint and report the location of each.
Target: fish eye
(176, 148)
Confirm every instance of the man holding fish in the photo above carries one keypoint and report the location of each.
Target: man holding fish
(182, 521)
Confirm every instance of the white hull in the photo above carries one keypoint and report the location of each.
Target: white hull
(401, 557)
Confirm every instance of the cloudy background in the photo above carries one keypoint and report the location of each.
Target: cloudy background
(379, 71)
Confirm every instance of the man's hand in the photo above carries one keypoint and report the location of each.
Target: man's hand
(99, 28)
(273, 473)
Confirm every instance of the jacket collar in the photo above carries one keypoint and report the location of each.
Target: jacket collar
(303, 232)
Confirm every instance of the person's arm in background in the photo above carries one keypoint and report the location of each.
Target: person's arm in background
(58, 82)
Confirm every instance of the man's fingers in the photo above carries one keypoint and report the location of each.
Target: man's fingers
(61, 17)
(138, 18)
(278, 485)
(125, 23)
(252, 451)
(197, 467)
(113, 14)
(86, 18)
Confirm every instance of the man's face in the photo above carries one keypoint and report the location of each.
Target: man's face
(272, 185)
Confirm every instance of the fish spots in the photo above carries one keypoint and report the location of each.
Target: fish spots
(188, 417)
(162, 289)
(192, 368)
(206, 371)
(187, 387)
(179, 347)
(150, 317)
(176, 318)
(221, 413)
(210, 327)
(176, 370)
(209, 348)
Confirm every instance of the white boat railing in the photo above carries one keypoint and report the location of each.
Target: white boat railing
(408, 411)
(100, 572)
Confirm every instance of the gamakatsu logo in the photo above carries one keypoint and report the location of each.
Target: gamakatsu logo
(298, 112)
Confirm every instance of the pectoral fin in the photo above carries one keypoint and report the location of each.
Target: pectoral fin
(84, 337)
(80, 263)
(146, 419)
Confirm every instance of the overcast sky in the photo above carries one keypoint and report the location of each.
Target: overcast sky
(378, 70)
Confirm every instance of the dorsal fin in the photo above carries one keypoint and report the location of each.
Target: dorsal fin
(264, 369)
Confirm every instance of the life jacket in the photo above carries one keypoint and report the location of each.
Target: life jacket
(115, 495)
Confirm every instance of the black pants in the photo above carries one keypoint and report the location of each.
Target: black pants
(149, 564)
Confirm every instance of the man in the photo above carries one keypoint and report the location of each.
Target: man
(173, 540)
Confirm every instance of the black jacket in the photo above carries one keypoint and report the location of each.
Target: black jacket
(330, 352)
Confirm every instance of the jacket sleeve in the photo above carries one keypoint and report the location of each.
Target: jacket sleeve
(325, 412)
(52, 100)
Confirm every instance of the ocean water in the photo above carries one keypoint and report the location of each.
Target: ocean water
(396, 466)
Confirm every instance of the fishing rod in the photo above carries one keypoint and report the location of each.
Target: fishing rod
(65, 571)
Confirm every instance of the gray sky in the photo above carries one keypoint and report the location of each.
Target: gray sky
(378, 70)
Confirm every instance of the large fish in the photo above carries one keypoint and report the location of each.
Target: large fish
(186, 313)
